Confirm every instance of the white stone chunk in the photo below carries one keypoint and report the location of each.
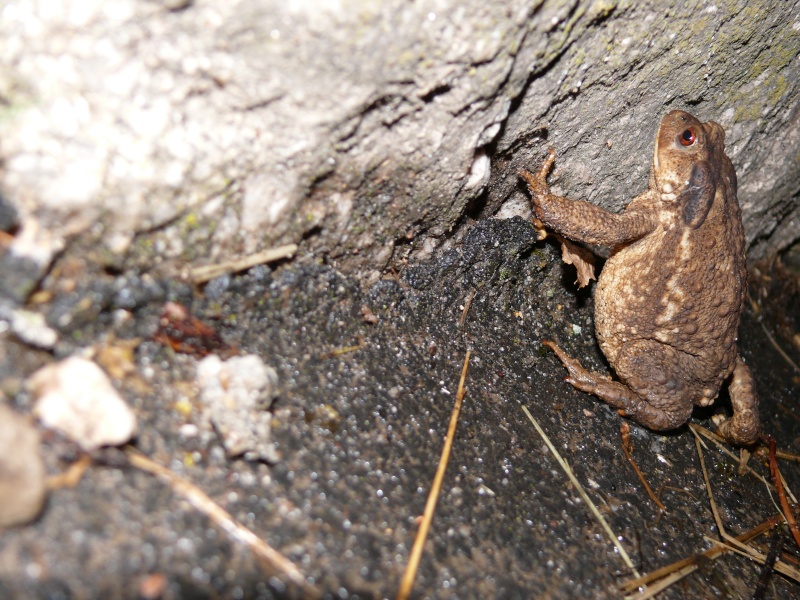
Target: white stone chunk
(22, 473)
(76, 397)
(236, 394)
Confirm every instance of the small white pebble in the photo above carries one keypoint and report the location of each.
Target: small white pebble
(76, 397)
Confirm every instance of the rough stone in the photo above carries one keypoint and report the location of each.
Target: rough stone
(236, 394)
(370, 130)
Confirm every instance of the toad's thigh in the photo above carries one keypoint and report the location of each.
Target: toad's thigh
(657, 372)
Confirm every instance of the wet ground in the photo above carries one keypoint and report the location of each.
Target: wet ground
(366, 382)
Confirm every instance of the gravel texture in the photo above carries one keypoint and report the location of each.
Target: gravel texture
(366, 379)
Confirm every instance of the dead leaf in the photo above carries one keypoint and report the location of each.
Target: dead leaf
(187, 334)
(581, 258)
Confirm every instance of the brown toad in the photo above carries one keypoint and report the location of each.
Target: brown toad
(669, 298)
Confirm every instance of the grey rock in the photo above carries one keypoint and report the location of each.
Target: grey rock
(372, 131)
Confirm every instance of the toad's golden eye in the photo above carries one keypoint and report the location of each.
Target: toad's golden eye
(688, 137)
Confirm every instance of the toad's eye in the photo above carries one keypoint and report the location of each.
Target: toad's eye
(688, 137)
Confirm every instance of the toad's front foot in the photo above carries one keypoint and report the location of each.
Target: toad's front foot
(537, 182)
(537, 185)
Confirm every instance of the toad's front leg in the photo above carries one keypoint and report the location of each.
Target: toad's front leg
(583, 221)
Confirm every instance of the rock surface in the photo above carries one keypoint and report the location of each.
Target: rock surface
(366, 382)
(371, 130)
(147, 136)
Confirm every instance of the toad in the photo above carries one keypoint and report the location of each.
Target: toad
(669, 298)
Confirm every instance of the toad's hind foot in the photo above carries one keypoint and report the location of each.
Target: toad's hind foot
(617, 394)
(586, 381)
(743, 427)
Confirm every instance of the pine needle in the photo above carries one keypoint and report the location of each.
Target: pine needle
(779, 349)
(755, 555)
(718, 442)
(714, 511)
(733, 544)
(688, 565)
(625, 434)
(664, 583)
(407, 583)
(197, 498)
(467, 304)
(777, 478)
(664, 577)
(583, 494)
(209, 272)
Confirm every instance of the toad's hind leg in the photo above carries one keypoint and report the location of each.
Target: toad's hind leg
(654, 401)
(743, 427)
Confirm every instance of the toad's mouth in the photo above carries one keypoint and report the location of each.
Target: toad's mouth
(665, 183)
(665, 187)
(656, 166)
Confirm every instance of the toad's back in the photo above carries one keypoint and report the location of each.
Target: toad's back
(680, 285)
